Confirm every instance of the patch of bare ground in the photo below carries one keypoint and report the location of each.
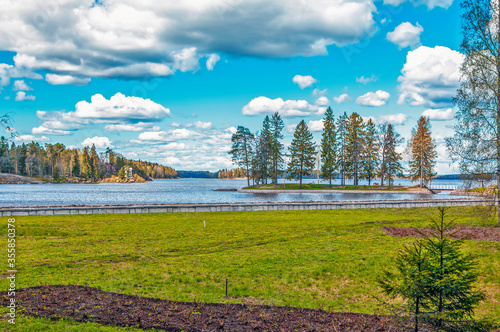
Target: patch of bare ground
(87, 304)
(459, 232)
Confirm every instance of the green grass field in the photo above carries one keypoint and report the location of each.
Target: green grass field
(316, 259)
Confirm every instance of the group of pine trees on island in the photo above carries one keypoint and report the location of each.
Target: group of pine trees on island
(350, 149)
(63, 164)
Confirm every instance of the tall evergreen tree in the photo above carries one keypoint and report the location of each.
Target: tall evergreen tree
(241, 150)
(452, 275)
(86, 169)
(302, 153)
(410, 280)
(276, 147)
(21, 159)
(391, 159)
(341, 146)
(329, 165)
(436, 278)
(371, 148)
(263, 152)
(94, 164)
(75, 163)
(354, 145)
(423, 152)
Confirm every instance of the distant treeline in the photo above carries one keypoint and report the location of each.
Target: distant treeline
(60, 163)
(448, 177)
(197, 174)
(232, 173)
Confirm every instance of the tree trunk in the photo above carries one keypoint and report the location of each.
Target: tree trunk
(248, 177)
(355, 174)
(498, 121)
(417, 309)
(421, 169)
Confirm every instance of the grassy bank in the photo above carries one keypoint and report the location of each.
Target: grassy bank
(316, 186)
(315, 259)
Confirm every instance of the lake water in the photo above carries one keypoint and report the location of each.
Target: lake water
(171, 191)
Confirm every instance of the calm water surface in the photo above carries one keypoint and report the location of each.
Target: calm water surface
(169, 191)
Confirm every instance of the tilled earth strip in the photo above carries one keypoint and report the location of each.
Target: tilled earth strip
(460, 232)
(87, 304)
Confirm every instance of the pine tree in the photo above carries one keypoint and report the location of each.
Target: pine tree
(86, 167)
(276, 126)
(242, 149)
(56, 176)
(329, 165)
(371, 159)
(435, 278)
(354, 145)
(94, 164)
(452, 297)
(423, 152)
(263, 152)
(410, 281)
(341, 146)
(391, 159)
(21, 159)
(75, 164)
(302, 153)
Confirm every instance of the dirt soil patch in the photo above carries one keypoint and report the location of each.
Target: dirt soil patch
(87, 304)
(461, 232)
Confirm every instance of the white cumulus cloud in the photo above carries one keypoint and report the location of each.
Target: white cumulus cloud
(406, 34)
(342, 98)
(130, 39)
(212, 60)
(316, 125)
(439, 114)
(20, 85)
(395, 119)
(100, 142)
(322, 101)
(304, 81)
(49, 131)
(21, 95)
(202, 125)
(156, 137)
(139, 126)
(286, 108)
(374, 99)
(55, 79)
(9, 71)
(430, 77)
(186, 59)
(120, 113)
(366, 80)
(31, 138)
(429, 3)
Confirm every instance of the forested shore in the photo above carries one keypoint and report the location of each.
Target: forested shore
(57, 163)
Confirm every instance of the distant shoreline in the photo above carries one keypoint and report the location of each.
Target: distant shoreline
(7, 178)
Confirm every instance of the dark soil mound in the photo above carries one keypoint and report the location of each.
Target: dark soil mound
(86, 304)
(462, 232)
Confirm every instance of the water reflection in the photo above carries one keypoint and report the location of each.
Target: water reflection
(166, 192)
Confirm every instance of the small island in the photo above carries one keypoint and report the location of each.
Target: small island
(320, 188)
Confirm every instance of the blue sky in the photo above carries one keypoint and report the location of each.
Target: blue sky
(169, 82)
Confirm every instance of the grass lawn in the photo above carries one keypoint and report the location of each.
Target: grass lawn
(316, 186)
(315, 259)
